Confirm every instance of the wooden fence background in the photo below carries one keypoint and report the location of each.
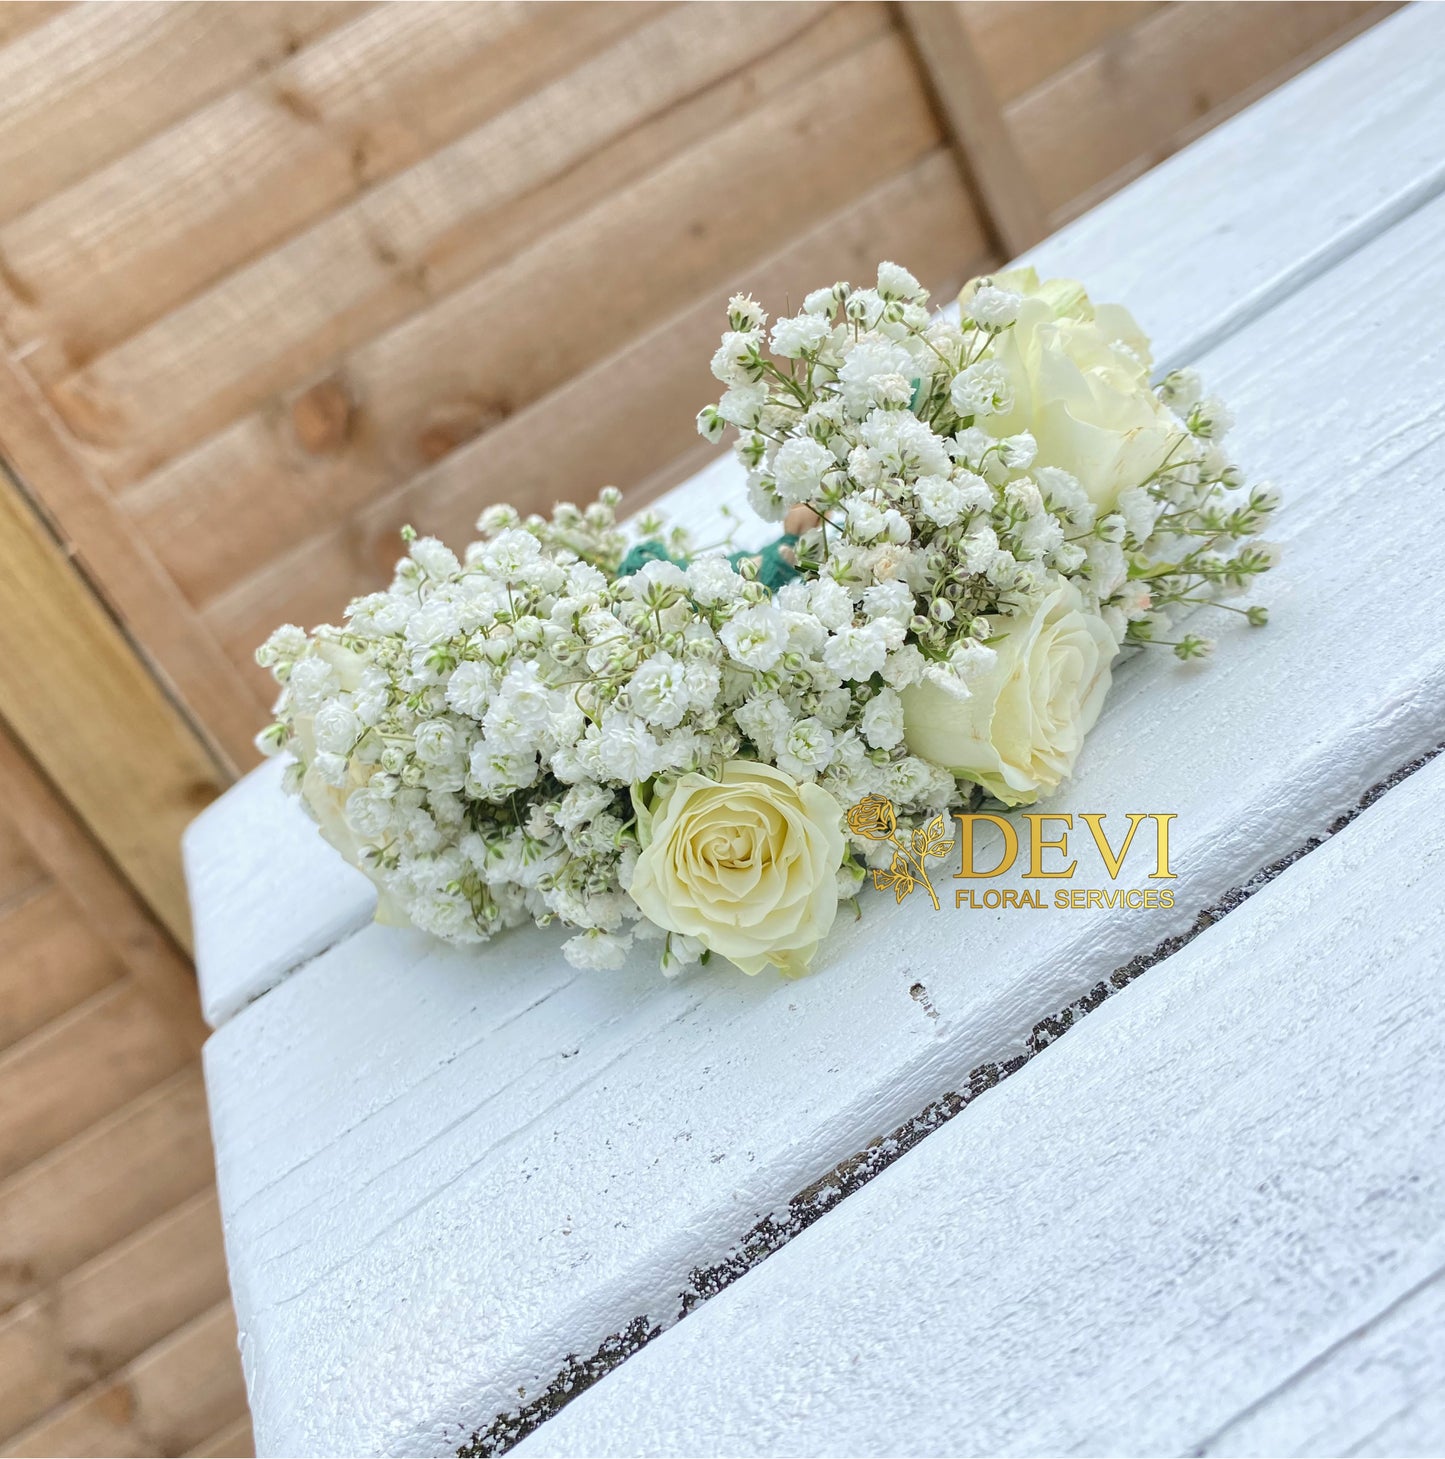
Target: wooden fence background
(276, 278)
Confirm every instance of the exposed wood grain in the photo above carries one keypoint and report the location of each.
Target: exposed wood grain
(205, 512)
(468, 209)
(231, 1442)
(107, 256)
(49, 963)
(96, 80)
(21, 876)
(98, 895)
(480, 354)
(1021, 43)
(102, 1158)
(130, 764)
(120, 1043)
(981, 138)
(176, 1395)
(1184, 68)
(109, 1311)
(19, 16)
(85, 1196)
(624, 415)
(117, 557)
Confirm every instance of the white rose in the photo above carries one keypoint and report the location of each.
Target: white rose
(747, 864)
(1078, 377)
(1023, 724)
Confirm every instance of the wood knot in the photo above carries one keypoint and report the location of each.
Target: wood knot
(452, 423)
(322, 417)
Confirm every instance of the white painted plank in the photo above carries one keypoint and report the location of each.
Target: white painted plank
(1279, 194)
(1378, 1390)
(1218, 1176)
(536, 1158)
(1195, 248)
(267, 893)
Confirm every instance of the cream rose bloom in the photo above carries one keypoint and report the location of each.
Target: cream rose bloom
(1079, 377)
(1021, 729)
(747, 864)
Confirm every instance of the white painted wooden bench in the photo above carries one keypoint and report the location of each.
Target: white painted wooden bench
(1195, 1227)
(456, 1185)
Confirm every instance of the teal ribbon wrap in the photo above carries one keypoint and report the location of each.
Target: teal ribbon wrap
(773, 568)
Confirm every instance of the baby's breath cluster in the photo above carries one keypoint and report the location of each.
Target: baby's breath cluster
(473, 737)
(576, 723)
(982, 458)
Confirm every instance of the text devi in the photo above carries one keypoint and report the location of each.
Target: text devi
(1045, 837)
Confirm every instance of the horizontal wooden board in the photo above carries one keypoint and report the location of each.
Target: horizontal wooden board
(214, 514)
(88, 83)
(98, 897)
(1022, 43)
(1246, 1142)
(253, 925)
(1379, 1390)
(19, 16)
(528, 204)
(101, 1316)
(84, 1196)
(99, 261)
(49, 963)
(1181, 70)
(228, 1443)
(119, 1041)
(622, 415)
(174, 1396)
(21, 876)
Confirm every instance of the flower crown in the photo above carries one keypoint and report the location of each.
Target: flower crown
(639, 738)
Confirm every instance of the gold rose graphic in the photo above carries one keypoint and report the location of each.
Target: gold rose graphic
(874, 819)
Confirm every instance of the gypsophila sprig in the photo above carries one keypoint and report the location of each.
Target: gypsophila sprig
(602, 728)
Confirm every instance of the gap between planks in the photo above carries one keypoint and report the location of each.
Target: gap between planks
(820, 1196)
